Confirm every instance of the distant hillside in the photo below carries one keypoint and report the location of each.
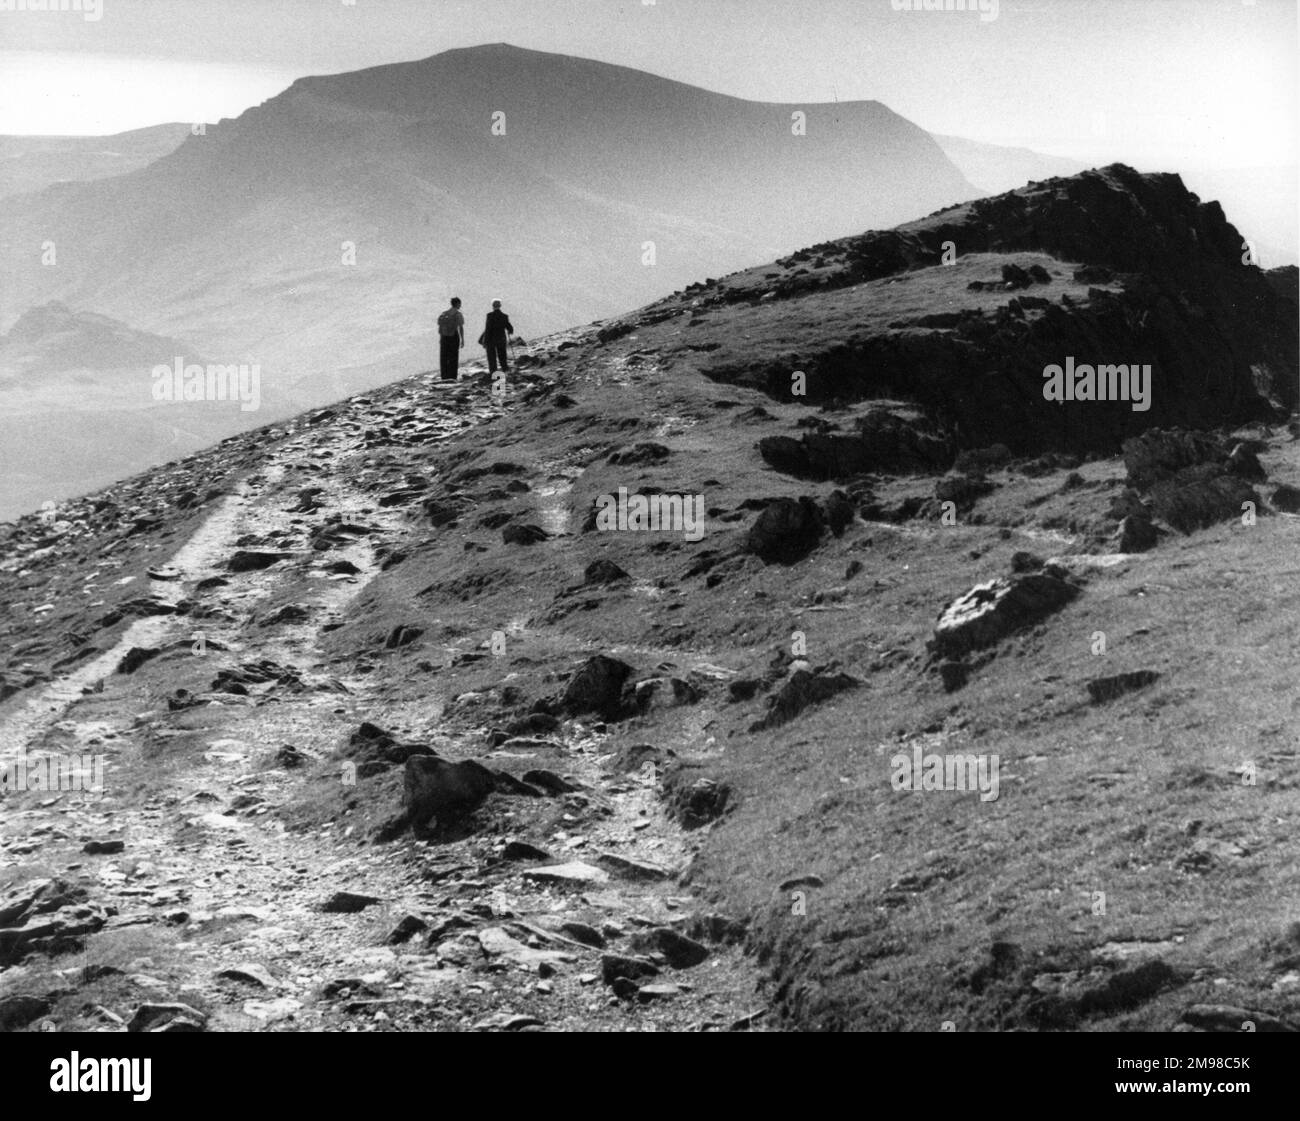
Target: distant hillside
(243, 238)
(994, 168)
(32, 163)
(55, 339)
(77, 408)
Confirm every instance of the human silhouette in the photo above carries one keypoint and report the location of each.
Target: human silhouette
(451, 337)
(496, 335)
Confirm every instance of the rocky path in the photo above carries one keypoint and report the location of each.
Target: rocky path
(221, 910)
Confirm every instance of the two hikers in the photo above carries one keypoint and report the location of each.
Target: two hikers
(495, 338)
(451, 337)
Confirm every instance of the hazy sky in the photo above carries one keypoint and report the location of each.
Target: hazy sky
(1189, 82)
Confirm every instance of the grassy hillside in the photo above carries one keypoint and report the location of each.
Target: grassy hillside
(705, 725)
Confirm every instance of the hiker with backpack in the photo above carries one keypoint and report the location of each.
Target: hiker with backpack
(495, 338)
(451, 337)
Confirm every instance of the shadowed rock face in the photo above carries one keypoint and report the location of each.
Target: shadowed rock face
(597, 686)
(1194, 479)
(786, 531)
(41, 915)
(437, 789)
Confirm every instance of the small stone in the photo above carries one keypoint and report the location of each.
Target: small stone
(19, 1010)
(249, 975)
(616, 966)
(271, 1010)
(581, 932)
(522, 850)
(148, 1015)
(406, 929)
(103, 848)
(801, 881)
(250, 560)
(548, 781)
(627, 869)
(679, 951)
(647, 993)
(348, 903)
(1104, 689)
(574, 873)
(1287, 499)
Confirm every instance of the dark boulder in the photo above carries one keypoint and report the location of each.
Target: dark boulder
(1136, 534)
(437, 790)
(804, 688)
(371, 743)
(1022, 561)
(978, 460)
(962, 490)
(694, 799)
(1287, 499)
(533, 724)
(838, 512)
(1197, 498)
(1160, 454)
(679, 951)
(439, 512)
(639, 455)
(597, 687)
(523, 534)
(1128, 503)
(402, 635)
(603, 572)
(786, 531)
(1243, 461)
(991, 611)
(252, 560)
(1104, 689)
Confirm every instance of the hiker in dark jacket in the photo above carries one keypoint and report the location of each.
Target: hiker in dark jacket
(496, 334)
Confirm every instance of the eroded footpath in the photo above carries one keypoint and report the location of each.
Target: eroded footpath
(226, 877)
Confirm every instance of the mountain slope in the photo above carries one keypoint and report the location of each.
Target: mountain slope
(1098, 621)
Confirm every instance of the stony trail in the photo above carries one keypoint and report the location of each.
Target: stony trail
(218, 897)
